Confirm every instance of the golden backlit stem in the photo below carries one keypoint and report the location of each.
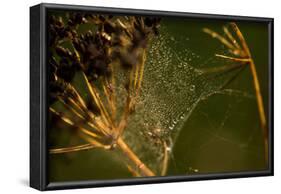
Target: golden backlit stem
(96, 99)
(260, 108)
(144, 170)
(232, 46)
(103, 107)
(165, 159)
(131, 80)
(136, 68)
(234, 58)
(93, 135)
(133, 171)
(101, 125)
(231, 38)
(89, 138)
(76, 106)
(109, 103)
(72, 123)
(93, 124)
(135, 79)
(112, 83)
(219, 37)
(85, 112)
(72, 149)
(257, 89)
(109, 97)
(71, 108)
(141, 72)
(78, 97)
(124, 119)
(65, 119)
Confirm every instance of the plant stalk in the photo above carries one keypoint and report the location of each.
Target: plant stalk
(134, 158)
(260, 108)
(257, 90)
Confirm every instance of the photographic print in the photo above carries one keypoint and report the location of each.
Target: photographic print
(132, 96)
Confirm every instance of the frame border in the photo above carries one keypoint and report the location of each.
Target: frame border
(38, 99)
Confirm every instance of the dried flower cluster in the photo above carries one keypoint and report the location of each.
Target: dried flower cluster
(113, 42)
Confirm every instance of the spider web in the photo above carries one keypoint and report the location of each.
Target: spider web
(175, 83)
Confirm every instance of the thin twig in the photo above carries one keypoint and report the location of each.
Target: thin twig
(72, 149)
(242, 60)
(97, 100)
(231, 38)
(109, 99)
(141, 72)
(165, 159)
(92, 124)
(257, 89)
(145, 171)
(219, 37)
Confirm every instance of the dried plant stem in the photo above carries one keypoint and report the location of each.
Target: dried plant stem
(72, 123)
(136, 76)
(260, 108)
(70, 108)
(133, 171)
(140, 166)
(244, 54)
(219, 37)
(108, 95)
(258, 94)
(259, 102)
(97, 100)
(257, 89)
(75, 106)
(141, 72)
(72, 149)
(90, 137)
(94, 124)
(165, 159)
(231, 38)
(78, 98)
(144, 170)
(233, 58)
(111, 83)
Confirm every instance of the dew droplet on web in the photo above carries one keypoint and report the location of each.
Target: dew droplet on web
(191, 169)
(171, 127)
(182, 116)
(149, 133)
(192, 88)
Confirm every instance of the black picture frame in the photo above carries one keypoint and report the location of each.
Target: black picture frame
(38, 100)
